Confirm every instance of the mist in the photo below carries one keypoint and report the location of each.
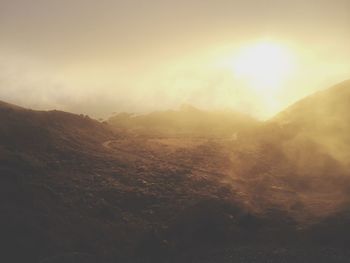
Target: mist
(114, 56)
(174, 131)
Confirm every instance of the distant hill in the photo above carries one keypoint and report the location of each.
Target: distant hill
(187, 121)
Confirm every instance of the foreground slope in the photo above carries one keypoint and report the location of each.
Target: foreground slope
(43, 158)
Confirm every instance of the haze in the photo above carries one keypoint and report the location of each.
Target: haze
(99, 57)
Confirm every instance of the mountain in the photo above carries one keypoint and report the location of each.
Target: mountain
(187, 121)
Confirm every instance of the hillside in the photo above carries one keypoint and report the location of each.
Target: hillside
(302, 154)
(35, 139)
(65, 195)
(175, 186)
(44, 159)
(323, 118)
(331, 103)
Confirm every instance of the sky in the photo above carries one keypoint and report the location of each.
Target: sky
(101, 57)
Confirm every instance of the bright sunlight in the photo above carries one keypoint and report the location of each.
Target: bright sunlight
(265, 66)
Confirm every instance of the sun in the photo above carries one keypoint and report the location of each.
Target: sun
(265, 66)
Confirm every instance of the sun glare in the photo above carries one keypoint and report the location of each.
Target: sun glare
(265, 66)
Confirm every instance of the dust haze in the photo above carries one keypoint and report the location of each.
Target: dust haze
(137, 57)
(174, 131)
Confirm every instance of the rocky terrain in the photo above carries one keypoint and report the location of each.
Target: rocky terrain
(177, 186)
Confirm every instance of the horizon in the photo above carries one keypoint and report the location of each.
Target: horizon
(178, 108)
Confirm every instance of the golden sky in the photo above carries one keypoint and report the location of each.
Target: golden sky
(100, 57)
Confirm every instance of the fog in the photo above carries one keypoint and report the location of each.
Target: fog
(111, 56)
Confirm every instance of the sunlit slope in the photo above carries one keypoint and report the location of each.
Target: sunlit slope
(187, 121)
(323, 118)
(329, 103)
(298, 161)
(315, 137)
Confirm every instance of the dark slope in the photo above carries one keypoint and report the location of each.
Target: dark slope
(21, 128)
(45, 158)
(5, 105)
(39, 139)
